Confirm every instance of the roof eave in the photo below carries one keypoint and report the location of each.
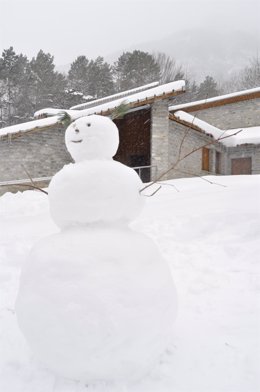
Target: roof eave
(143, 102)
(217, 101)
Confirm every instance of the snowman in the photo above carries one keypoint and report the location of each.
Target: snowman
(96, 300)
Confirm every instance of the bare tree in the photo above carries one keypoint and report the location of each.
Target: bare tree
(250, 75)
(230, 85)
(170, 70)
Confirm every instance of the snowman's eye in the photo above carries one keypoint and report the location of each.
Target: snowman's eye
(76, 130)
(88, 124)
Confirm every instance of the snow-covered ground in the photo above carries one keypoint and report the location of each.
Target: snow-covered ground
(210, 236)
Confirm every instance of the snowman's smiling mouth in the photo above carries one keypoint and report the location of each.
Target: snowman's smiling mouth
(76, 141)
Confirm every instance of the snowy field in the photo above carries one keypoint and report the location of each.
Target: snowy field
(210, 236)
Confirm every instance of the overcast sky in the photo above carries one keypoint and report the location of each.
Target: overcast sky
(68, 28)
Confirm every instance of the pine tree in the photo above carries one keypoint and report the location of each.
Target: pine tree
(8, 64)
(208, 88)
(7, 75)
(49, 85)
(100, 78)
(24, 99)
(78, 75)
(91, 78)
(13, 76)
(134, 69)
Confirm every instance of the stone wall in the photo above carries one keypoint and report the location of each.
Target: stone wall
(182, 141)
(192, 165)
(244, 151)
(159, 137)
(167, 136)
(232, 116)
(42, 153)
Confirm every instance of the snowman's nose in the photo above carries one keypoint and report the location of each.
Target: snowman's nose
(76, 130)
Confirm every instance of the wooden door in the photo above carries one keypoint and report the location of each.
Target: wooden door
(205, 159)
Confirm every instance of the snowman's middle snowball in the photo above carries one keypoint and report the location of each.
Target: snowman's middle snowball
(95, 191)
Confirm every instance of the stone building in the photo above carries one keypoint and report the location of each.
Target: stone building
(37, 148)
(236, 114)
(156, 137)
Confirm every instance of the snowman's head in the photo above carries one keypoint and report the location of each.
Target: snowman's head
(92, 137)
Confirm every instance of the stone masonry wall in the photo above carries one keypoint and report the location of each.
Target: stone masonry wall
(244, 151)
(159, 138)
(232, 116)
(192, 165)
(167, 137)
(42, 153)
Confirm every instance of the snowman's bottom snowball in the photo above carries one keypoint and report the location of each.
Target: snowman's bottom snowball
(97, 304)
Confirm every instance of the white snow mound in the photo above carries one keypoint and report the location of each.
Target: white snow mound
(103, 304)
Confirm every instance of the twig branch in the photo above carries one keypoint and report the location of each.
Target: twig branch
(172, 185)
(28, 174)
(32, 185)
(188, 130)
(152, 194)
(185, 135)
(28, 185)
(120, 111)
(201, 177)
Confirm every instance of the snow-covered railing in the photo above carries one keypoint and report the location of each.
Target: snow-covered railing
(144, 172)
(25, 181)
(24, 184)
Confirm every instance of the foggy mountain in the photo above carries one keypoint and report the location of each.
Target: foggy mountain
(205, 52)
(201, 52)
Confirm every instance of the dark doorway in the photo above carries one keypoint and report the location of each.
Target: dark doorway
(241, 166)
(134, 146)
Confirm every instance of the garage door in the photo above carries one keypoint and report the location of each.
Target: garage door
(241, 166)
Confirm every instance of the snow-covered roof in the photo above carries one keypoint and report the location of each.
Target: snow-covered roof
(249, 135)
(49, 112)
(217, 101)
(202, 125)
(232, 137)
(134, 100)
(114, 96)
(30, 126)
